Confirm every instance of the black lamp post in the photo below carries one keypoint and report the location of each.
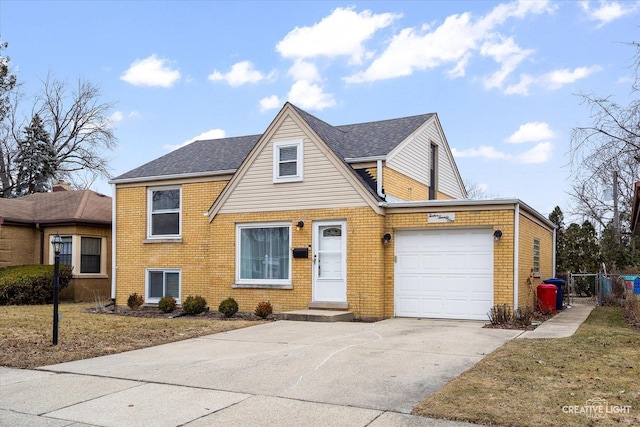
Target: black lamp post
(57, 243)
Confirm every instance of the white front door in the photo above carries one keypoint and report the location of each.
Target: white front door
(329, 261)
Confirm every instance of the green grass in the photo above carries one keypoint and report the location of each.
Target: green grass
(527, 382)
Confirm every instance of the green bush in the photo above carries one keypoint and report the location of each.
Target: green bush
(228, 307)
(135, 301)
(194, 305)
(263, 309)
(31, 284)
(167, 304)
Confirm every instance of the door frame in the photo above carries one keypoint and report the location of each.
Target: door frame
(314, 265)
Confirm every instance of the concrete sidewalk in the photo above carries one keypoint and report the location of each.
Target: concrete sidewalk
(563, 324)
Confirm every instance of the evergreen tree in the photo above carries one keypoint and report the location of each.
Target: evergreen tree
(36, 160)
(557, 217)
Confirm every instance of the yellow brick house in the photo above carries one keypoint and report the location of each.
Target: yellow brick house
(370, 217)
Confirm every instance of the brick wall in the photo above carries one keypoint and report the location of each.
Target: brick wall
(527, 282)
(502, 255)
(19, 245)
(401, 186)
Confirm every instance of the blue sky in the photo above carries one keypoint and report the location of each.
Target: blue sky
(502, 76)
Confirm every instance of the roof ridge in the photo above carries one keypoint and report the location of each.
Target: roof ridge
(384, 120)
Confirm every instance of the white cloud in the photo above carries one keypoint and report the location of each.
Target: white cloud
(553, 80)
(310, 96)
(240, 73)
(541, 153)
(453, 42)
(304, 70)
(342, 33)
(608, 11)
(531, 132)
(485, 152)
(151, 71)
(116, 117)
(210, 134)
(269, 103)
(507, 53)
(558, 78)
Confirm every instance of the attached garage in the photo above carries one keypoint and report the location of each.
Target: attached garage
(444, 273)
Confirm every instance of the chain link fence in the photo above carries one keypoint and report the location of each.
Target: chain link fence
(596, 288)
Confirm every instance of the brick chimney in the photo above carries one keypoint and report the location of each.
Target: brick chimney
(61, 186)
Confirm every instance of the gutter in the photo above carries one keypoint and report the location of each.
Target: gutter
(174, 176)
(453, 203)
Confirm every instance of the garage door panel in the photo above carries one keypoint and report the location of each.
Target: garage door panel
(451, 273)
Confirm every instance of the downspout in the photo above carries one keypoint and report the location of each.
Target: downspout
(516, 251)
(379, 187)
(553, 271)
(113, 244)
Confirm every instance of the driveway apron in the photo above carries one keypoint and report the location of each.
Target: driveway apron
(386, 366)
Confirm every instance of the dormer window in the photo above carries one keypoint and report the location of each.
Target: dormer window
(287, 161)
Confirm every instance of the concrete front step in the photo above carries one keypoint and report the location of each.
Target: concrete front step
(318, 316)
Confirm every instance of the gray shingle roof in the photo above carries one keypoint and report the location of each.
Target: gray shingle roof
(348, 141)
(213, 155)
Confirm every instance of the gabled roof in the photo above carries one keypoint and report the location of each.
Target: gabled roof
(360, 140)
(60, 207)
(213, 155)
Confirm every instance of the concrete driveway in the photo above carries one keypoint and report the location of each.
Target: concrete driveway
(354, 373)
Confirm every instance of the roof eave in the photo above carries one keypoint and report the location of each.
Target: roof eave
(172, 176)
(365, 159)
(469, 202)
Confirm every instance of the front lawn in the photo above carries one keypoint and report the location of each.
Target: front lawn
(26, 333)
(534, 382)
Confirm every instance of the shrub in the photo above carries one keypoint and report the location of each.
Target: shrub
(500, 314)
(135, 301)
(264, 309)
(632, 311)
(228, 307)
(524, 315)
(194, 305)
(167, 304)
(31, 284)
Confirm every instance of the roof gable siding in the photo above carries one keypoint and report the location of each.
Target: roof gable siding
(411, 158)
(323, 186)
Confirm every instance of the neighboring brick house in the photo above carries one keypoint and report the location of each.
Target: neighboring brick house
(83, 220)
(369, 217)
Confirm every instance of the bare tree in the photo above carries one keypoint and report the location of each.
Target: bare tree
(609, 147)
(78, 124)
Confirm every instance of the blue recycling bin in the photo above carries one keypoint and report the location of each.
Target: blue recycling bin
(636, 286)
(560, 283)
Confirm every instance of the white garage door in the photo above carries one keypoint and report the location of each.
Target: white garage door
(444, 273)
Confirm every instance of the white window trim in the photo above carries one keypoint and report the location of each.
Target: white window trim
(266, 283)
(149, 300)
(76, 256)
(299, 161)
(150, 191)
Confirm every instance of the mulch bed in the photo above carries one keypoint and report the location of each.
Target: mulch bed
(538, 316)
(155, 313)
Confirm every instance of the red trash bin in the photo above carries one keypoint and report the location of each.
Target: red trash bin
(547, 294)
